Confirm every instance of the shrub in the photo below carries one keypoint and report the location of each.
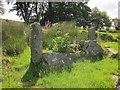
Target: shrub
(14, 37)
(60, 44)
(48, 35)
(52, 32)
(113, 31)
(102, 30)
(107, 37)
(82, 35)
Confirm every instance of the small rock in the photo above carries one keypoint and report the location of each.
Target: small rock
(111, 52)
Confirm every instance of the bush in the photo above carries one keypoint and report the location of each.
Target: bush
(14, 37)
(107, 37)
(102, 30)
(65, 27)
(48, 35)
(82, 35)
(113, 31)
(60, 44)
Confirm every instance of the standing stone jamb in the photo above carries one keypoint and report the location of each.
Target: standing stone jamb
(36, 42)
(92, 34)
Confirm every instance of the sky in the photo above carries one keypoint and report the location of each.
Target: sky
(110, 6)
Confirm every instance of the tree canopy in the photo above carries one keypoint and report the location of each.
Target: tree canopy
(52, 11)
(100, 19)
(62, 11)
(116, 23)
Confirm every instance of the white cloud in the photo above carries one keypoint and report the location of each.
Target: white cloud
(110, 6)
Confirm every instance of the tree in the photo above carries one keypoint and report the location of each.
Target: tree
(116, 23)
(1, 8)
(52, 11)
(62, 11)
(29, 11)
(99, 19)
(80, 12)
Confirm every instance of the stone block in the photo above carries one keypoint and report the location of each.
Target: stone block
(111, 52)
(59, 59)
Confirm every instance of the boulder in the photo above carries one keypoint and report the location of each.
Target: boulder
(92, 49)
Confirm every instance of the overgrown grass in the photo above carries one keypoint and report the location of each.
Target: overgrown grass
(13, 73)
(84, 74)
(14, 37)
(113, 35)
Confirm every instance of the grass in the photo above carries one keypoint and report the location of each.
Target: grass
(20, 73)
(114, 35)
(84, 74)
(13, 34)
(18, 65)
(113, 45)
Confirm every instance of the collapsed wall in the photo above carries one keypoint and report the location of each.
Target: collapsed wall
(90, 48)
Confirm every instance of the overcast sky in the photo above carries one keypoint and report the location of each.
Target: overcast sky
(110, 6)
